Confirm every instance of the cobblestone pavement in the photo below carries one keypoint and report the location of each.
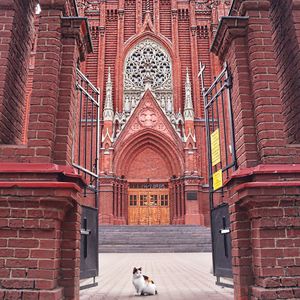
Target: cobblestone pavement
(178, 276)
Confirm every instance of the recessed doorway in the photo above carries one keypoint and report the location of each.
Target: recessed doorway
(148, 206)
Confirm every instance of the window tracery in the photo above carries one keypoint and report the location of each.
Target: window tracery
(148, 66)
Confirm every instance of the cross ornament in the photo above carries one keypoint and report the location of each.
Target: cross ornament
(85, 232)
(201, 75)
(224, 231)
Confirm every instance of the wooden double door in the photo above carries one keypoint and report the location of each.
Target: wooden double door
(148, 207)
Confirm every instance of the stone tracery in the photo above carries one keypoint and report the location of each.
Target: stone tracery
(148, 66)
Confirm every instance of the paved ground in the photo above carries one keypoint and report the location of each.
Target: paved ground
(178, 276)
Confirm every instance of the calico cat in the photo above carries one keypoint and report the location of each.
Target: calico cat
(143, 285)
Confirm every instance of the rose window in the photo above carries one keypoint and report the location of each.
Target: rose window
(147, 65)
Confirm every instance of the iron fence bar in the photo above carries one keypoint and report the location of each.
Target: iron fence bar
(216, 80)
(85, 133)
(216, 95)
(85, 170)
(225, 131)
(97, 151)
(91, 144)
(79, 127)
(87, 80)
(232, 132)
(87, 94)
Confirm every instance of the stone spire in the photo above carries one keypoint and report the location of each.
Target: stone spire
(188, 105)
(108, 113)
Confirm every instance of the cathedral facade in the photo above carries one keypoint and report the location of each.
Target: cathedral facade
(153, 165)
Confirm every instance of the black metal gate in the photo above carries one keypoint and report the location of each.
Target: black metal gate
(85, 159)
(221, 163)
(89, 245)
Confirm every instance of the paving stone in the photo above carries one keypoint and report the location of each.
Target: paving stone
(178, 276)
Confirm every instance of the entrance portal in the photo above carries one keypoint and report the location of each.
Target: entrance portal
(148, 206)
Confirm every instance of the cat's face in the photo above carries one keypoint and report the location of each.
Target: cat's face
(137, 272)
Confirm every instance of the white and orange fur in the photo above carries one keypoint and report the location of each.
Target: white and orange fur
(143, 285)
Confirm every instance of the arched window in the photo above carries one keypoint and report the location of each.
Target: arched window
(148, 66)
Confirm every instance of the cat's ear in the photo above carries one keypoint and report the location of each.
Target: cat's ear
(134, 270)
(140, 268)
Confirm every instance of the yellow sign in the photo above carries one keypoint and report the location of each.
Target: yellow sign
(215, 147)
(217, 180)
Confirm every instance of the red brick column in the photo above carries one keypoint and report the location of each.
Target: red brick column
(265, 232)
(106, 209)
(16, 28)
(263, 200)
(67, 109)
(44, 99)
(285, 21)
(39, 233)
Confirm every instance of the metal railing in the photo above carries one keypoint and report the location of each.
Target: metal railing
(219, 128)
(86, 139)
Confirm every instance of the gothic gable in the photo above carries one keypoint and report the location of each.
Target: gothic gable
(149, 115)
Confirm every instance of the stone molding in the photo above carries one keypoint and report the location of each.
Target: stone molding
(229, 29)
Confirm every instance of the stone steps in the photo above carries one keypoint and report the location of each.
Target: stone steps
(142, 239)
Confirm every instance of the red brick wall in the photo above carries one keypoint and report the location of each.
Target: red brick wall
(39, 244)
(263, 200)
(287, 49)
(148, 164)
(15, 43)
(129, 19)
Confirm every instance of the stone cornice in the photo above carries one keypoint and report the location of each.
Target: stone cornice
(229, 28)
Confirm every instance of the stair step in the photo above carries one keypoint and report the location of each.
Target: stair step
(161, 238)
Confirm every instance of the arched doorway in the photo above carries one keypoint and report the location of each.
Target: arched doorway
(148, 163)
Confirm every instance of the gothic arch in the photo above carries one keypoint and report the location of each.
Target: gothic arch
(171, 153)
(148, 65)
(164, 43)
(135, 40)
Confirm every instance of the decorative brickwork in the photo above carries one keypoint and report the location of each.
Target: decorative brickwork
(153, 45)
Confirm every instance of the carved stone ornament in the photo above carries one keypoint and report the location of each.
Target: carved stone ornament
(147, 118)
(148, 66)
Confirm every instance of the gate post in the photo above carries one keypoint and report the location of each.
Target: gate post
(40, 201)
(263, 194)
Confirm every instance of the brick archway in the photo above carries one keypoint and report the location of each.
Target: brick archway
(142, 140)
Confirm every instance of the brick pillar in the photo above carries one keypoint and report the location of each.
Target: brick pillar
(263, 194)
(67, 109)
(40, 233)
(106, 201)
(40, 204)
(16, 36)
(44, 99)
(286, 35)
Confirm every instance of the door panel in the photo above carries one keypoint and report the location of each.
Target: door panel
(164, 209)
(148, 206)
(144, 209)
(133, 211)
(154, 210)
